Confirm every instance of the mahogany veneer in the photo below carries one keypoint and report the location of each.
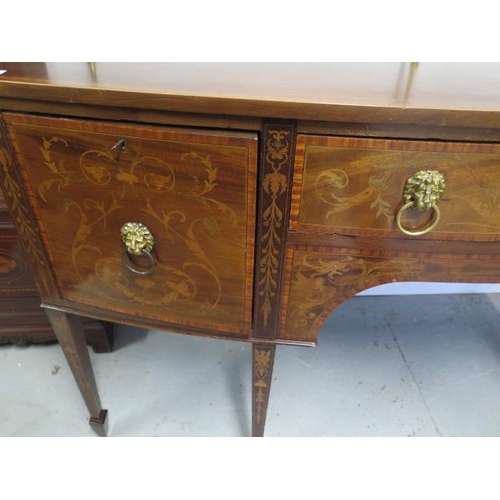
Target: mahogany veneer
(262, 195)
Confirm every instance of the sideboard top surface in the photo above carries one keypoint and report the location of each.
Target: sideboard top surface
(423, 93)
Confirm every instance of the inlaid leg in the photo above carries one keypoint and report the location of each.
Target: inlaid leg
(69, 333)
(263, 361)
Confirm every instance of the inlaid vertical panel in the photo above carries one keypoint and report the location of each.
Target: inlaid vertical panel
(277, 150)
(18, 204)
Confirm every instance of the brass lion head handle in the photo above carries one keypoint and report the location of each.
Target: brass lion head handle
(422, 192)
(139, 241)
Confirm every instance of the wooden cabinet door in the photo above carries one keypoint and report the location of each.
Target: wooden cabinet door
(192, 189)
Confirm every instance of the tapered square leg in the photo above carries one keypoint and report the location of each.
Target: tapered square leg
(69, 333)
(263, 362)
(100, 424)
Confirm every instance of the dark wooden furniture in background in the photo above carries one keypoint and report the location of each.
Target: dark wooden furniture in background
(245, 201)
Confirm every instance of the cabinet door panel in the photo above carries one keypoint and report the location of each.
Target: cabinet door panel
(193, 190)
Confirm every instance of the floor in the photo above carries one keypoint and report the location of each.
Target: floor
(385, 366)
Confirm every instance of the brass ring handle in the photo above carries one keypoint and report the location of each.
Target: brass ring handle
(138, 240)
(422, 192)
(127, 262)
(428, 229)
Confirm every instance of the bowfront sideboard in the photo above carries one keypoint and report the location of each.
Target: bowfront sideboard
(244, 201)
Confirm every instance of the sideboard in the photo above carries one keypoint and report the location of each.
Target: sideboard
(244, 201)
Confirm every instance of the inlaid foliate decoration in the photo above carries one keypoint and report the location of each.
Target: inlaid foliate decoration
(380, 197)
(12, 192)
(99, 167)
(192, 190)
(354, 185)
(331, 187)
(263, 358)
(322, 279)
(275, 190)
(20, 212)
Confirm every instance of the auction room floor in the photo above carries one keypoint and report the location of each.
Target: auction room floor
(426, 365)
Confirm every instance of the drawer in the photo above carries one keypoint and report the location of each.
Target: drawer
(194, 191)
(319, 279)
(355, 186)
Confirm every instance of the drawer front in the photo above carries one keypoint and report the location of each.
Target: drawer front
(193, 190)
(319, 279)
(355, 186)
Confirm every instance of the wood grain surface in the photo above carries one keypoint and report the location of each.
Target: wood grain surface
(445, 94)
(318, 279)
(260, 233)
(194, 190)
(355, 186)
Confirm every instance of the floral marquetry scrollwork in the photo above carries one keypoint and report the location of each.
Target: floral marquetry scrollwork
(321, 281)
(275, 191)
(193, 189)
(98, 167)
(12, 192)
(176, 192)
(278, 148)
(263, 361)
(25, 226)
(354, 185)
(331, 184)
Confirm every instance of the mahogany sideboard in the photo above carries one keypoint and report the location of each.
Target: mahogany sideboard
(244, 201)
